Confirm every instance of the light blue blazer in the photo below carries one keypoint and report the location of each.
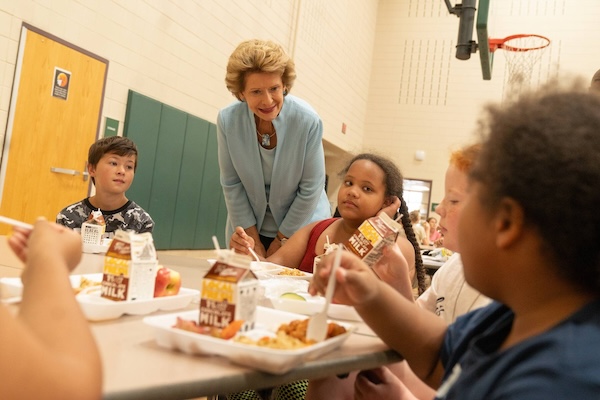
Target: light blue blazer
(297, 195)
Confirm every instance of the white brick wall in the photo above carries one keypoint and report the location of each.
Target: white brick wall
(386, 68)
(423, 98)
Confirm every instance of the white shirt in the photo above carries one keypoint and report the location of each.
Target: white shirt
(449, 295)
(419, 233)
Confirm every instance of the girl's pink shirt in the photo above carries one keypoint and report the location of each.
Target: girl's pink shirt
(435, 235)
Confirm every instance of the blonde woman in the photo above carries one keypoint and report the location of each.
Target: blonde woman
(271, 156)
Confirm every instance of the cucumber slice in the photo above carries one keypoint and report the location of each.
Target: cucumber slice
(292, 296)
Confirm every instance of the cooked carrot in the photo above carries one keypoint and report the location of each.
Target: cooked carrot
(230, 330)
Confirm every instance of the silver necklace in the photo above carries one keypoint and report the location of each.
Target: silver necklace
(265, 138)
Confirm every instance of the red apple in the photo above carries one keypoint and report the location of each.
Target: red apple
(167, 283)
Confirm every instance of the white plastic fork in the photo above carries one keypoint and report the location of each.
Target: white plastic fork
(256, 257)
(14, 222)
(317, 324)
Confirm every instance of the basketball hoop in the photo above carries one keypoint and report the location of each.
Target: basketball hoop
(522, 52)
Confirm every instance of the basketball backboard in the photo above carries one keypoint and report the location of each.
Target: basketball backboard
(465, 44)
(522, 51)
(486, 57)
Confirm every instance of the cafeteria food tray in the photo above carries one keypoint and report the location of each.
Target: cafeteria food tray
(96, 308)
(309, 306)
(14, 286)
(313, 305)
(269, 270)
(275, 361)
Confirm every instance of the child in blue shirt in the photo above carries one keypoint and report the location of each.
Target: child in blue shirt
(538, 171)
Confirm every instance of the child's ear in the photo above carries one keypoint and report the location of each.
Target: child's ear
(509, 222)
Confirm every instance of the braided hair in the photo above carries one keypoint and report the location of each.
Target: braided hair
(394, 186)
(412, 238)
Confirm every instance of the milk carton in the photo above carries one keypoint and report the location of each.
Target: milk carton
(93, 229)
(372, 236)
(229, 292)
(328, 249)
(130, 267)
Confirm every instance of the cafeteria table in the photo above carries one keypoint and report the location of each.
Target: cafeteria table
(431, 264)
(135, 367)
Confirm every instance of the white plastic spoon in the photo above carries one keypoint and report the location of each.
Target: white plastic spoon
(317, 324)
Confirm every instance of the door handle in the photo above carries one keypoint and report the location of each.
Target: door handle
(64, 171)
(73, 172)
(85, 173)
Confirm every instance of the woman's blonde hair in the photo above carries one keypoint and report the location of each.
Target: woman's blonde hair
(257, 55)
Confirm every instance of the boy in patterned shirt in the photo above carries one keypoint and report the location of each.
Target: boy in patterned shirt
(112, 162)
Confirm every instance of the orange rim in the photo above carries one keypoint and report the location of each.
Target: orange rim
(496, 44)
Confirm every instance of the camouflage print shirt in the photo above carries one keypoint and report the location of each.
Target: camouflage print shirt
(129, 217)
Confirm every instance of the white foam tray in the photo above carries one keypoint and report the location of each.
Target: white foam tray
(275, 361)
(96, 308)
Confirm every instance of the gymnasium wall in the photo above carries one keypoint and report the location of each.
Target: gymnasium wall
(386, 69)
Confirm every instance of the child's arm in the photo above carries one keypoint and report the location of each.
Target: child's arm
(397, 267)
(415, 333)
(292, 252)
(50, 331)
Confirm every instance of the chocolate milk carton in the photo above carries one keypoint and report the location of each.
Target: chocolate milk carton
(130, 267)
(372, 236)
(93, 229)
(229, 292)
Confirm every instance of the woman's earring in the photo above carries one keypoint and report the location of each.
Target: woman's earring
(285, 92)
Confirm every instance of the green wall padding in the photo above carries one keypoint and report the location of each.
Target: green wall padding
(177, 179)
(188, 208)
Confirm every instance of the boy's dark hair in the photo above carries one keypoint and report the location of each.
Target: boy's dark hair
(118, 145)
(394, 186)
(543, 151)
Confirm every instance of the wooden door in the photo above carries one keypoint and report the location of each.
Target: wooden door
(53, 119)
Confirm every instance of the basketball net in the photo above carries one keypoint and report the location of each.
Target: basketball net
(522, 53)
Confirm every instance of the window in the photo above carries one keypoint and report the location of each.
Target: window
(417, 194)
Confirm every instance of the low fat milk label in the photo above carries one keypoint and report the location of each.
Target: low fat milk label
(238, 303)
(229, 293)
(115, 278)
(115, 287)
(371, 237)
(218, 290)
(130, 267)
(216, 313)
(362, 244)
(116, 266)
